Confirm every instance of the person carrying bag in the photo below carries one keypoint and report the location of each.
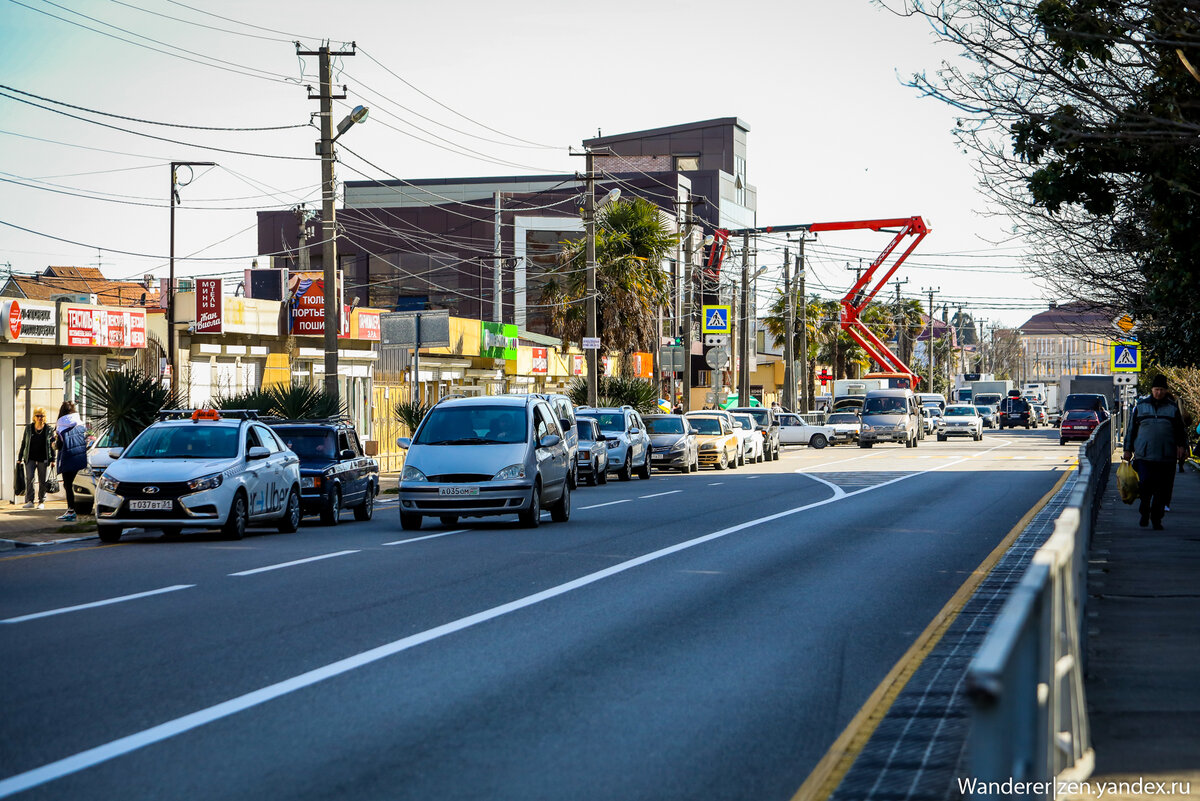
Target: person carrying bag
(34, 457)
(72, 452)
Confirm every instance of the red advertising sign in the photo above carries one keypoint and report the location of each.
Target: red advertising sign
(14, 320)
(541, 360)
(577, 364)
(92, 327)
(308, 303)
(209, 306)
(368, 326)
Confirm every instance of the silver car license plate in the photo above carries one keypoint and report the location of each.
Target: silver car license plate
(457, 491)
(150, 506)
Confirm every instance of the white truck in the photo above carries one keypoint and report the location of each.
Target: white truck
(989, 393)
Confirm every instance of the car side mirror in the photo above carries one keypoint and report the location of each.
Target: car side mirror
(257, 452)
(115, 453)
(635, 430)
(601, 437)
(347, 453)
(549, 441)
(565, 423)
(403, 442)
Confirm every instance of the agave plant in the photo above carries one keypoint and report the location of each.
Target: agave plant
(127, 401)
(617, 391)
(410, 412)
(298, 401)
(256, 400)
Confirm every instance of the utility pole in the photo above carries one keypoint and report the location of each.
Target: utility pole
(497, 280)
(789, 341)
(686, 302)
(805, 386)
(901, 327)
(175, 165)
(589, 221)
(931, 291)
(744, 328)
(333, 308)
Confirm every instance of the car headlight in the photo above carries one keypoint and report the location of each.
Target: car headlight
(310, 482)
(510, 472)
(205, 482)
(412, 474)
(901, 426)
(614, 443)
(106, 484)
(680, 446)
(584, 452)
(97, 472)
(708, 446)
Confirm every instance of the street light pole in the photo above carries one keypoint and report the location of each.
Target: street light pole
(175, 165)
(589, 224)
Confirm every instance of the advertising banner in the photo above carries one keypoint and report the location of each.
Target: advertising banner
(30, 321)
(499, 341)
(366, 325)
(307, 308)
(541, 360)
(96, 327)
(578, 363)
(210, 306)
(642, 364)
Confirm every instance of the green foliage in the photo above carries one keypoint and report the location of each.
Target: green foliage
(254, 400)
(296, 401)
(127, 401)
(411, 413)
(616, 391)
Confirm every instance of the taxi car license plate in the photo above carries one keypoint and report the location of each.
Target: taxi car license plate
(457, 491)
(149, 506)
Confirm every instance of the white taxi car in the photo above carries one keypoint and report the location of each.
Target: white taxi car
(200, 469)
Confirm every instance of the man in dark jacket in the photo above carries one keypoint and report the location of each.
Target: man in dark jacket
(1154, 442)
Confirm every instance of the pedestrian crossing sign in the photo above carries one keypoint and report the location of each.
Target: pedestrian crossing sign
(1126, 357)
(716, 320)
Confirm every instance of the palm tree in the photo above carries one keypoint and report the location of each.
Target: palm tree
(631, 242)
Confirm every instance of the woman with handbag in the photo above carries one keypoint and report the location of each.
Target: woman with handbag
(37, 447)
(72, 452)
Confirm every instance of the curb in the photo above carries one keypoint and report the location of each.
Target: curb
(12, 545)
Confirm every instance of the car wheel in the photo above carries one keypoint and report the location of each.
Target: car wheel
(916, 442)
(941, 437)
(332, 513)
(1062, 441)
(762, 457)
(742, 458)
(449, 520)
(603, 477)
(626, 471)
(573, 477)
(696, 463)
(410, 521)
(171, 532)
(777, 447)
(532, 517)
(818, 441)
(235, 524)
(561, 511)
(644, 470)
(365, 509)
(290, 522)
(862, 444)
(109, 534)
(723, 461)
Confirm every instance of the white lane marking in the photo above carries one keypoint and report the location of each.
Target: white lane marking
(133, 742)
(751, 478)
(610, 503)
(95, 604)
(716, 483)
(427, 537)
(292, 564)
(660, 494)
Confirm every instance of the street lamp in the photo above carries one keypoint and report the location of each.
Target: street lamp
(175, 165)
(333, 310)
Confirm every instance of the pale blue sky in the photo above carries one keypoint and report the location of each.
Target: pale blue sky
(835, 135)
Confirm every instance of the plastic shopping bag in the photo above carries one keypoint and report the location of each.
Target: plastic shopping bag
(1127, 482)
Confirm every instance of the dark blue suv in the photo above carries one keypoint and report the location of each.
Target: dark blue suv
(334, 472)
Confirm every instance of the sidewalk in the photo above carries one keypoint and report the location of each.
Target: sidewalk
(20, 527)
(1142, 675)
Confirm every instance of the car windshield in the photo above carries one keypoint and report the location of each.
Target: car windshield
(309, 443)
(664, 425)
(746, 420)
(842, 418)
(610, 423)
(761, 415)
(960, 411)
(884, 405)
(586, 429)
(705, 425)
(189, 441)
(1091, 402)
(984, 409)
(473, 425)
(1079, 414)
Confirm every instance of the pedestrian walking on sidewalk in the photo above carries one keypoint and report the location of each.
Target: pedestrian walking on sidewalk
(37, 447)
(1154, 443)
(72, 452)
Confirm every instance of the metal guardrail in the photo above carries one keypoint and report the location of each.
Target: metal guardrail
(1029, 718)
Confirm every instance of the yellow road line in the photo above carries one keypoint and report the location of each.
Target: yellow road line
(832, 768)
(53, 553)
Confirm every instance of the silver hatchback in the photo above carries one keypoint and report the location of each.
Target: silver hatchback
(486, 456)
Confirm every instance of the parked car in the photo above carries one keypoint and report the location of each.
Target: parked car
(335, 474)
(845, 426)
(717, 444)
(748, 433)
(929, 420)
(672, 442)
(988, 414)
(591, 462)
(889, 415)
(1017, 412)
(628, 442)
(794, 431)
(768, 425)
(1078, 425)
(84, 485)
(565, 411)
(1054, 416)
(960, 420)
(484, 456)
(727, 416)
(1088, 402)
(200, 469)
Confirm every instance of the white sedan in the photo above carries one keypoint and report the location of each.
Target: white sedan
(960, 421)
(749, 437)
(794, 431)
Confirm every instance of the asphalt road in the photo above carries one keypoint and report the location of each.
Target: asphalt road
(691, 636)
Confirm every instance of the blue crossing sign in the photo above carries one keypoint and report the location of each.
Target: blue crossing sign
(716, 320)
(1126, 357)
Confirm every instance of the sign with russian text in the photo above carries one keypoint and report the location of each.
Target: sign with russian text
(30, 321)
(366, 325)
(307, 307)
(578, 363)
(498, 341)
(210, 306)
(541, 360)
(97, 327)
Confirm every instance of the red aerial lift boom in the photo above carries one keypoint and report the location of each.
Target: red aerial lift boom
(858, 296)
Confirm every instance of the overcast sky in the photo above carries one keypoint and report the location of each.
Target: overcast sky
(476, 88)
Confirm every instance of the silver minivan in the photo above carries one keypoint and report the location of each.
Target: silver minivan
(565, 411)
(485, 456)
(890, 415)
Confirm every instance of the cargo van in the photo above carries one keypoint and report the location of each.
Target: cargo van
(890, 415)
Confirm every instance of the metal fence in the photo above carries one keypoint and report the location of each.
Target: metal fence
(1029, 718)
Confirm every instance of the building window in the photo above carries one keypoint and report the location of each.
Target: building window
(739, 180)
(687, 163)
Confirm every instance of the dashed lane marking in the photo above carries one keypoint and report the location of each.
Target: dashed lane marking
(94, 604)
(293, 563)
